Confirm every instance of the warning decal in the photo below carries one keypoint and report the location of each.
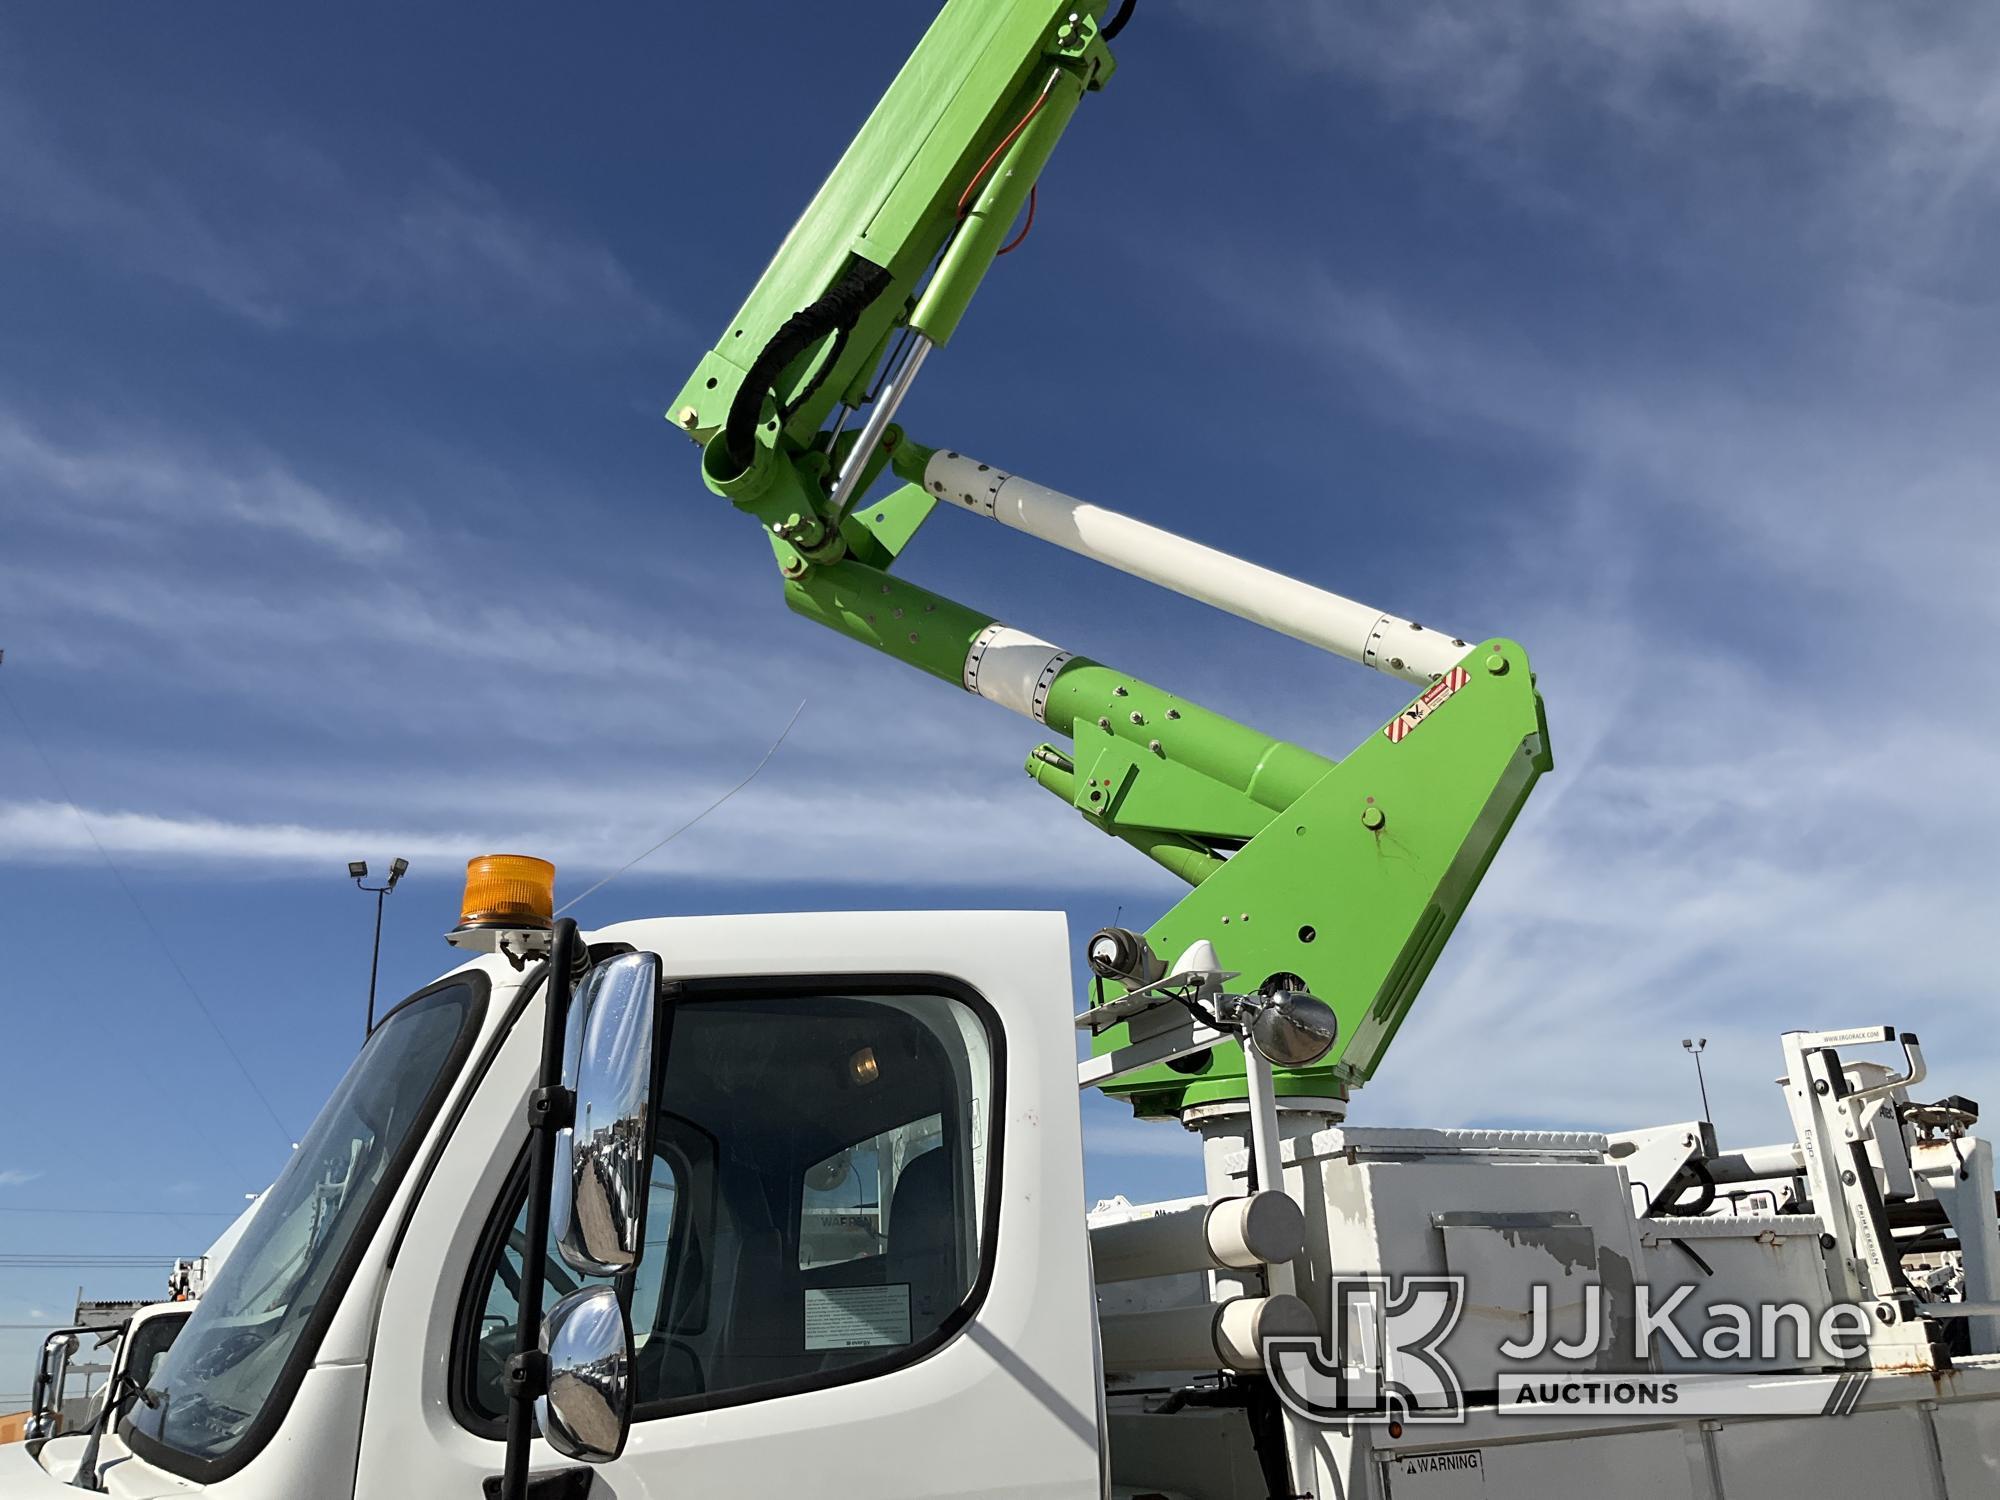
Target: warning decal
(1399, 727)
(1435, 1476)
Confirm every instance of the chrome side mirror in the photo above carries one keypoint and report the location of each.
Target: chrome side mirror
(588, 1409)
(603, 1162)
(1293, 1028)
(51, 1372)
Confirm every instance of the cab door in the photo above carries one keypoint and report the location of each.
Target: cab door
(866, 1269)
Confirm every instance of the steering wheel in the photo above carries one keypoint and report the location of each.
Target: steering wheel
(219, 1357)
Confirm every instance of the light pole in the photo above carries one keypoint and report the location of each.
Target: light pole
(1695, 1046)
(358, 868)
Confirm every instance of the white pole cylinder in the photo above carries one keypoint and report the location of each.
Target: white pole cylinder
(1354, 631)
(1203, 1336)
(1241, 1233)
(1758, 1163)
(1265, 1228)
(1266, 1147)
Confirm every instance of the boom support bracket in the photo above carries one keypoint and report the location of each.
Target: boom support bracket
(1355, 886)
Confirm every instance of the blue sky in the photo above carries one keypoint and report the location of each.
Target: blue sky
(338, 520)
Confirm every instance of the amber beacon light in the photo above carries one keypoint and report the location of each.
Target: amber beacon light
(509, 904)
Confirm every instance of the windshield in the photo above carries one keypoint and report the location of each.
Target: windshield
(223, 1369)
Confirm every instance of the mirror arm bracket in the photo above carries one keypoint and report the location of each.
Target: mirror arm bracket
(551, 1107)
(527, 1374)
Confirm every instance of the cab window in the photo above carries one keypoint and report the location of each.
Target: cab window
(819, 1198)
(843, 1200)
(148, 1343)
(488, 1337)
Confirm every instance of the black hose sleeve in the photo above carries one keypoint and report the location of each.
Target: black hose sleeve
(1703, 1188)
(839, 309)
(811, 388)
(1116, 24)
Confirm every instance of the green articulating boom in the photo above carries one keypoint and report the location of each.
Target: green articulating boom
(1351, 874)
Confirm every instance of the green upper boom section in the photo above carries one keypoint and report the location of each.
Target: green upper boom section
(893, 199)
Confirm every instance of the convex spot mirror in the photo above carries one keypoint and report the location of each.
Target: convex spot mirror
(1293, 1028)
(604, 1160)
(587, 1411)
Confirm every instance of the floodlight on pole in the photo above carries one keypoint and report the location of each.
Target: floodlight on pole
(358, 870)
(1694, 1046)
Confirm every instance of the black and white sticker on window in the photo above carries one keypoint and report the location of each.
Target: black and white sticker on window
(858, 1317)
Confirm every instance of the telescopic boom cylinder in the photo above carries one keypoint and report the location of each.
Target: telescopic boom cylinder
(1068, 694)
(1315, 616)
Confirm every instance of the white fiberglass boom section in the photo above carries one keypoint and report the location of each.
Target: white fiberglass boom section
(1335, 624)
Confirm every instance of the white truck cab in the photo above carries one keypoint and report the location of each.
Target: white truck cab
(865, 1265)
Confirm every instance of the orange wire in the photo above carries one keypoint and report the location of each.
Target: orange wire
(1008, 140)
(1015, 242)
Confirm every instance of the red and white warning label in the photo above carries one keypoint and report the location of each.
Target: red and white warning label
(1427, 704)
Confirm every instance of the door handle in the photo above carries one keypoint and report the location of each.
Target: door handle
(550, 1484)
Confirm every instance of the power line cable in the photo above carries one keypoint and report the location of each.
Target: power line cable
(193, 994)
(150, 1213)
(91, 1259)
(754, 770)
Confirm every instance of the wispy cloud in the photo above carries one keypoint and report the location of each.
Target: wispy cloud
(276, 230)
(1791, 465)
(15, 1176)
(113, 476)
(369, 698)
(1488, 63)
(135, 548)
(1784, 140)
(374, 613)
(587, 830)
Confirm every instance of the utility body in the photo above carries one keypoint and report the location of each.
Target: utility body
(792, 1204)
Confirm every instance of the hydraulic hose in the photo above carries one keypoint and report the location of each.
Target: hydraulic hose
(836, 312)
(1680, 1205)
